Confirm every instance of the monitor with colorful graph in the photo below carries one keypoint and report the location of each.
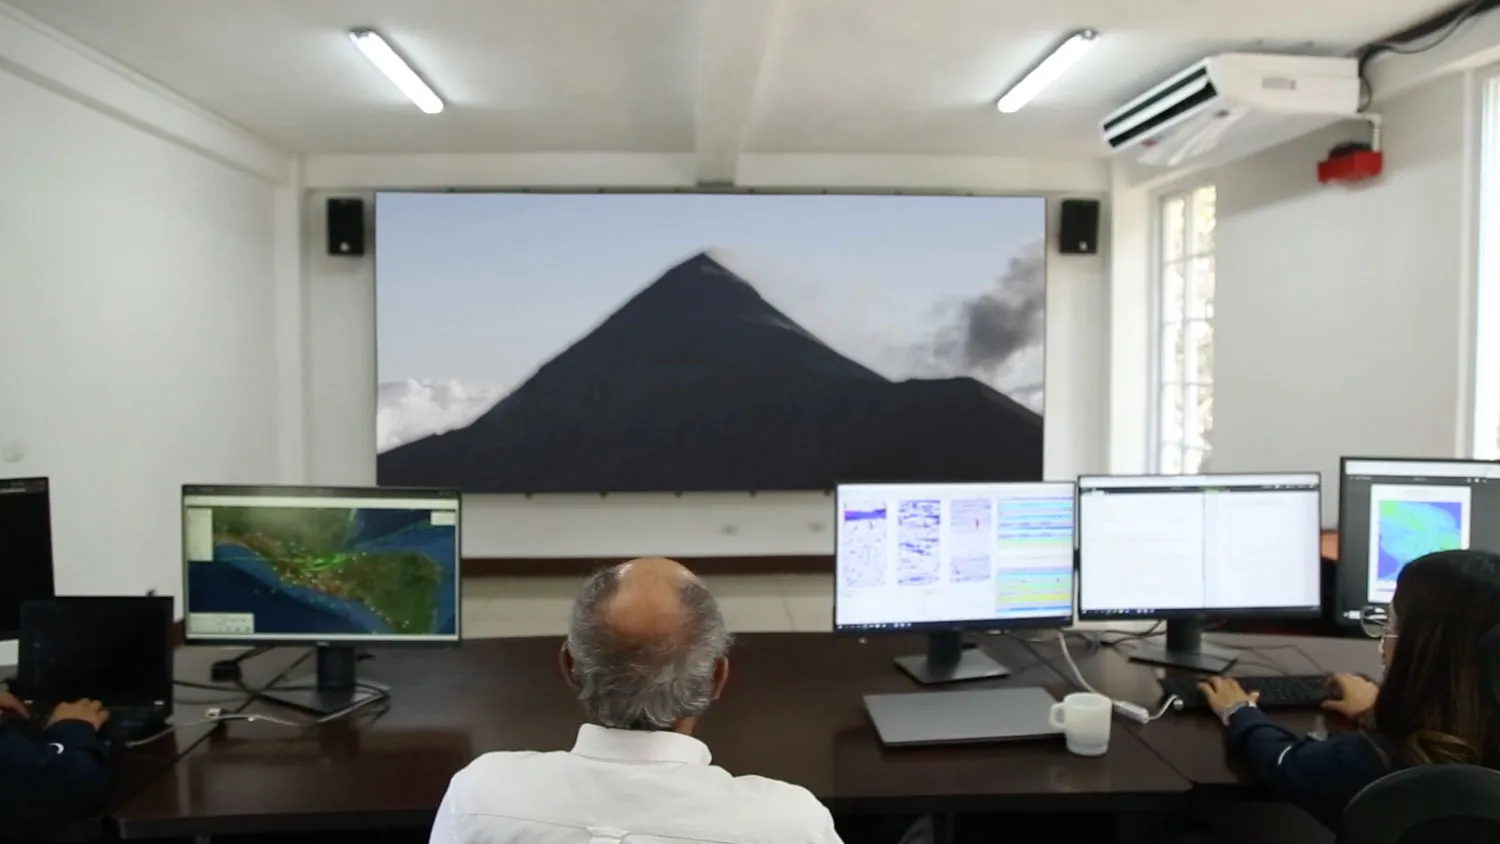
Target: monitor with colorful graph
(1392, 511)
(953, 556)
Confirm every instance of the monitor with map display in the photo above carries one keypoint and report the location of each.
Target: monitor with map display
(338, 568)
(267, 565)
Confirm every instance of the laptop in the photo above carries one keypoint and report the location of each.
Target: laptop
(966, 717)
(116, 650)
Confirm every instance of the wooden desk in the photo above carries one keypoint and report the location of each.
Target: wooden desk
(1192, 741)
(793, 710)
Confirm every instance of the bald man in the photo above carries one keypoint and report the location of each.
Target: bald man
(647, 652)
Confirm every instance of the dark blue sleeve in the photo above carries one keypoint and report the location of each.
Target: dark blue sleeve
(1319, 775)
(49, 780)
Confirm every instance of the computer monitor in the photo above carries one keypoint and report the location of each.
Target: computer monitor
(117, 650)
(1392, 511)
(943, 558)
(338, 568)
(1181, 548)
(25, 549)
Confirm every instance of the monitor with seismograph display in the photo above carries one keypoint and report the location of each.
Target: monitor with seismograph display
(943, 558)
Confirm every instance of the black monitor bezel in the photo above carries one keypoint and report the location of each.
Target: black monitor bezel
(1341, 573)
(14, 485)
(1033, 623)
(162, 604)
(271, 490)
(1152, 614)
(34, 485)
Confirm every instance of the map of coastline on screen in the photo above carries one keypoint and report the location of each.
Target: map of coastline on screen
(1409, 529)
(1408, 522)
(321, 569)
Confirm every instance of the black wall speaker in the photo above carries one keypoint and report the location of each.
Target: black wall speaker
(1078, 227)
(346, 226)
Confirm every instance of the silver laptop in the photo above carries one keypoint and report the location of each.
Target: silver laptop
(984, 715)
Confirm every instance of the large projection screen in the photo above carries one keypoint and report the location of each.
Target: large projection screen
(551, 343)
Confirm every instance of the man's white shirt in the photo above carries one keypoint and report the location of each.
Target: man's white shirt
(627, 786)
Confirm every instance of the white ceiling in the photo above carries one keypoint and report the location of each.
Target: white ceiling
(715, 77)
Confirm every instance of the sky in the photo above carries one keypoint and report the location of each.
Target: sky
(485, 288)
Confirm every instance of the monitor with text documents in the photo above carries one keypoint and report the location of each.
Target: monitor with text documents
(943, 558)
(1393, 510)
(338, 568)
(1181, 548)
(25, 548)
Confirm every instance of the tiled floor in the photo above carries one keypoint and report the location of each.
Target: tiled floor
(538, 606)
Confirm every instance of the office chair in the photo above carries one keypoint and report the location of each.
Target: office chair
(1430, 804)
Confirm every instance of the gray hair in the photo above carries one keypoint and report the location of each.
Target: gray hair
(644, 685)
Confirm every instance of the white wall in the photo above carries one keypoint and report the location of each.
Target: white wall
(341, 399)
(1342, 315)
(1127, 406)
(137, 331)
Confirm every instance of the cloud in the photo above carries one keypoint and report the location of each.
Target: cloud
(996, 336)
(407, 411)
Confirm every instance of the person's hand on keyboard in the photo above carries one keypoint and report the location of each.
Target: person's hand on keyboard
(1225, 694)
(1352, 697)
(91, 712)
(12, 707)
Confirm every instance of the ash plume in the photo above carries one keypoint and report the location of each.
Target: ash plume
(983, 335)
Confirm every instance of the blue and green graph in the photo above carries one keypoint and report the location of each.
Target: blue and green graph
(1408, 529)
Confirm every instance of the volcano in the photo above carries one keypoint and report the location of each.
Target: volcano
(698, 384)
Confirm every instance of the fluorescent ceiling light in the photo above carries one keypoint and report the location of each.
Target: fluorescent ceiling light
(1048, 71)
(396, 69)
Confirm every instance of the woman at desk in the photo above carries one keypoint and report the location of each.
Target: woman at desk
(1432, 708)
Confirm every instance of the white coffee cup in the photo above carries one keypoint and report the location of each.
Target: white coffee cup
(1084, 719)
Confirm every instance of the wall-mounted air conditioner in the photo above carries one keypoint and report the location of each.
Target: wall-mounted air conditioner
(1234, 105)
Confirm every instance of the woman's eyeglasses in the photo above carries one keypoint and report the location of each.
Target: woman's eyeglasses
(1375, 621)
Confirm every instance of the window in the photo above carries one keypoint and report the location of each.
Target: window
(1487, 276)
(1185, 347)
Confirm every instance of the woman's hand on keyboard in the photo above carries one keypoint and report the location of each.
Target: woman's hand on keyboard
(1353, 696)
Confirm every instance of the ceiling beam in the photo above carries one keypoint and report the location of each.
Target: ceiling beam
(788, 172)
(733, 38)
(36, 52)
(1474, 44)
(501, 171)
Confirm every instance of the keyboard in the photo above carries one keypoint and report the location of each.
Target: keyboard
(125, 724)
(131, 723)
(1288, 691)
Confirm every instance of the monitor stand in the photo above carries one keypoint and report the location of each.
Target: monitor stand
(1185, 649)
(333, 689)
(948, 661)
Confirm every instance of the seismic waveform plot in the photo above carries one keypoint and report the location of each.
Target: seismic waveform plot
(919, 526)
(863, 535)
(1035, 521)
(971, 532)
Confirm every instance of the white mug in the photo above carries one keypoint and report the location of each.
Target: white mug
(1084, 719)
